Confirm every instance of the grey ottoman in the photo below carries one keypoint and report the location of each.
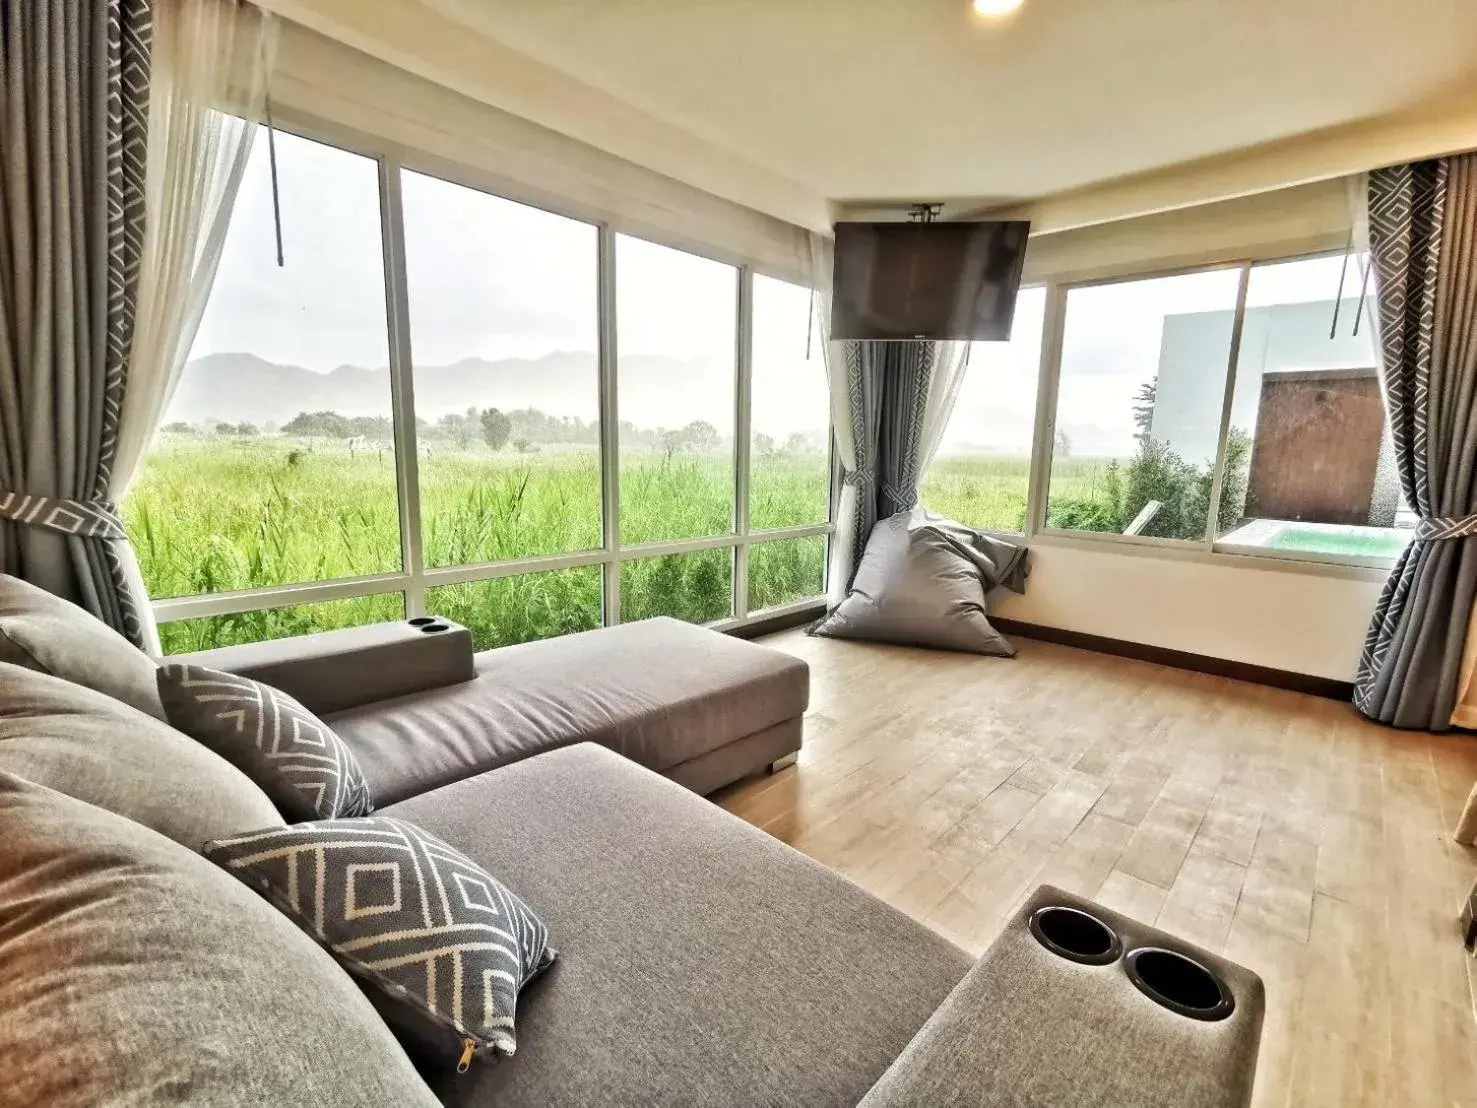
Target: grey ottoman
(1119, 1017)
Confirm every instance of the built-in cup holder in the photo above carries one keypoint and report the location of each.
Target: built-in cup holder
(421, 621)
(1179, 983)
(1075, 935)
(432, 627)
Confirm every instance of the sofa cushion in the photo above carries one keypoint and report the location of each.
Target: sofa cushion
(292, 754)
(661, 692)
(703, 962)
(96, 749)
(441, 944)
(134, 972)
(51, 635)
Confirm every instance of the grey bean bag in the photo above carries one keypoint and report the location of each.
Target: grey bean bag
(922, 582)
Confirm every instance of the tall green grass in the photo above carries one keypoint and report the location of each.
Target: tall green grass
(217, 513)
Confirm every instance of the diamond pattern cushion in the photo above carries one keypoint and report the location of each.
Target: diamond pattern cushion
(292, 754)
(431, 932)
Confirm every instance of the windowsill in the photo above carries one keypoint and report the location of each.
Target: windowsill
(1281, 561)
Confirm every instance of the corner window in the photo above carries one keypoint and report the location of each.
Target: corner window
(981, 475)
(1143, 376)
(1310, 466)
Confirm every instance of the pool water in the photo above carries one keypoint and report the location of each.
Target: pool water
(1331, 540)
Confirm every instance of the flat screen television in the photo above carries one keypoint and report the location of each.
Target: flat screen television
(927, 280)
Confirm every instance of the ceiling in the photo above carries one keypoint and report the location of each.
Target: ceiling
(923, 99)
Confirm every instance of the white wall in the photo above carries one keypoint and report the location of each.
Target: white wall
(1297, 620)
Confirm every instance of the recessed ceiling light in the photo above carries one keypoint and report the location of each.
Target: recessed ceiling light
(996, 7)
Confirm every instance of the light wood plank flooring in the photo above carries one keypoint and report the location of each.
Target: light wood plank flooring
(1279, 829)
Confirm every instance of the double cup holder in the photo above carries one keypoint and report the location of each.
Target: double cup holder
(1167, 977)
(428, 625)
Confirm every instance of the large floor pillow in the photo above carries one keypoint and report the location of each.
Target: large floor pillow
(133, 971)
(922, 581)
(51, 635)
(101, 751)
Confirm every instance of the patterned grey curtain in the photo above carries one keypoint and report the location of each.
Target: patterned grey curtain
(74, 90)
(865, 365)
(899, 398)
(1423, 237)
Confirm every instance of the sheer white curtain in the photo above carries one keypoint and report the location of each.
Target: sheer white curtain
(210, 64)
(843, 430)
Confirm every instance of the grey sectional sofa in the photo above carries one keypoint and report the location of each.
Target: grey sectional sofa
(702, 962)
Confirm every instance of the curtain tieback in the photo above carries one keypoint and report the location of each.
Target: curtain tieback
(860, 479)
(904, 502)
(1445, 527)
(91, 519)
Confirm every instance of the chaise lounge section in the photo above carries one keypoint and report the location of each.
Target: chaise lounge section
(420, 710)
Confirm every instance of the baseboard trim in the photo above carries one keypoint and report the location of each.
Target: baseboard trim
(1182, 659)
(797, 618)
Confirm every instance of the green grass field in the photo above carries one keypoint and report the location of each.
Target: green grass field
(217, 513)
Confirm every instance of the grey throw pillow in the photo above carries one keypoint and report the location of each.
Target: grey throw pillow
(922, 582)
(295, 757)
(443, 946)
(132, 971)
(51, 635)
(91, 747)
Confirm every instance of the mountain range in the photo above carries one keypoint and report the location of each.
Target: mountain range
(655, 390)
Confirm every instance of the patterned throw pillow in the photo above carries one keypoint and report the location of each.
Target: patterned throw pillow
(431, 931)
(293, 755)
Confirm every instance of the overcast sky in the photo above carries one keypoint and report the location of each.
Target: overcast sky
(492, 279)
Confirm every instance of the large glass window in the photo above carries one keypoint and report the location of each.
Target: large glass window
(207, 633)
(676, 339)
(789, 453)
(529, 606)
(1309, 461)
(276, 461)
(697, 586)
(982, 472)
(504, 332)
(280, 461)
(1143, 376)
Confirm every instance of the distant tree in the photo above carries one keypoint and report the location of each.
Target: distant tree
(496, 428)
(797, 443)
(328, 425)
(1063, 445)
(763, 444)
(1143, 411)
(239, 429)
(701, 435)
(523, 446)
(178, 427)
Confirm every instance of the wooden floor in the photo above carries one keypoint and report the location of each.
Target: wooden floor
(1279, 829)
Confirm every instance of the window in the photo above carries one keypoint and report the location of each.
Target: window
(530, 606)
(1142, 383)
(504, 327)
(697, 587)
(676, 338)
(411, 422)
(276, 462)
(982, 473)
(235, 628)
(789, 452)
(1309, 461)
(785, 571)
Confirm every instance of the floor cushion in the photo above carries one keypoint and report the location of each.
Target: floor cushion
(701, 961)
(661, 692)
(97, 749)
(134, 972)
(51, 635)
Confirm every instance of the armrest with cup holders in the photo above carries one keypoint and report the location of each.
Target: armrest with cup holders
(332, 671)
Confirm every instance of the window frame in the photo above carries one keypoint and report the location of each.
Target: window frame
(415, 577)
(1208, 549)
